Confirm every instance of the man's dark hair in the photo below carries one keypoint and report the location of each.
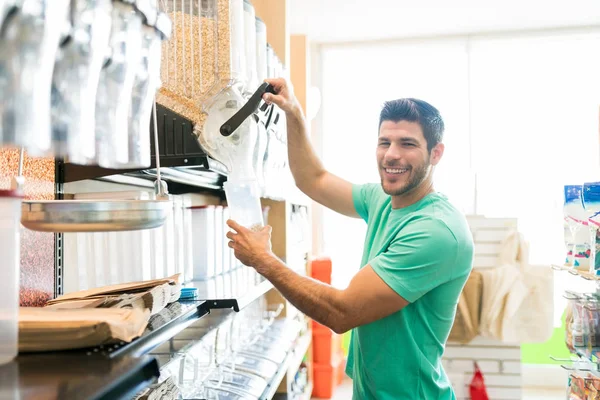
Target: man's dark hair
(414, 110)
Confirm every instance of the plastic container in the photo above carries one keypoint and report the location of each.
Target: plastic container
(179, 239)
(260, 154)
(225, 247)
(205, 54)
(236, 151)
(251, 80)
(203, 225)
(188, 251)
(576, 228)
(105, 258)
(29, 45)
(219, 240)
(116, 84)
(243, 198)
(75, 80)
(10, 216)
(156, 28)
(591, 203)
(327, 378)
(270, 62)
(327, 345)
(261, 50)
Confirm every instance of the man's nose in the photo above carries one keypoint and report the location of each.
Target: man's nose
(393, 153)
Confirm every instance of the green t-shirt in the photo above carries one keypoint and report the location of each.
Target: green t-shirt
(424, 252)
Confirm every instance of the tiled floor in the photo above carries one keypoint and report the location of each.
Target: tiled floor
(344, 392)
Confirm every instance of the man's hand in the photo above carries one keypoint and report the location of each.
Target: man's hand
(284, 97)
(250, 247)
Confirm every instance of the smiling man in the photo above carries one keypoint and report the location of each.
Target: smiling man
(417, 255)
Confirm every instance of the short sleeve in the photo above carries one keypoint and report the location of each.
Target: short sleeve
(362, 195)
(421, 257)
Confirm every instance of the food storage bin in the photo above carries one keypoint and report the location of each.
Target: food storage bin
(243, 199)
(260, 154)
(116, 84)
(6, 7)
(203, 226)
(10, 216)
(75, 80)
(106, 258)
(219, 239)
(205, 54)
(261, 50)
(225, 247)
(156, 28)
(270, 62)
(179, 239)
(251, 80)
(29, 42)
(188, 251)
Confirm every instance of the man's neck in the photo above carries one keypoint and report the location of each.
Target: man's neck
(407, 199)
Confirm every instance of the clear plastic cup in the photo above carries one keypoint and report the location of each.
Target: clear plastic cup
(243, 198)
(10, 217)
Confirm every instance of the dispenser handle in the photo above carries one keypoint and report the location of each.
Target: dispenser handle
(247, 109)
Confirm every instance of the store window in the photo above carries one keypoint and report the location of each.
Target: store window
(521, 113)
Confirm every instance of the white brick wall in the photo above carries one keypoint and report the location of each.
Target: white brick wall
(499, 362)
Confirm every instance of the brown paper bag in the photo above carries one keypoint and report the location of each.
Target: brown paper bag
(466, 323)
(43, 329)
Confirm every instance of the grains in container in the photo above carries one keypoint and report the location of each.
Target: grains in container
(196, 61)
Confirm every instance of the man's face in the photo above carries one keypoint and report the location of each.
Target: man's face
(402, 156)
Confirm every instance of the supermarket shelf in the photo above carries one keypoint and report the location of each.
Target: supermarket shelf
(307, 395)
(235, 289)
(162, 326)
(75, 375)
(191, 169)
(269, 392)
(588, 353)
(300, 350)
(584, 274)
(292, 361)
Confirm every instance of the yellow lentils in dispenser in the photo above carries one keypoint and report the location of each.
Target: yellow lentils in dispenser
(196, 62)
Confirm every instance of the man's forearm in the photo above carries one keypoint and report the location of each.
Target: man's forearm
(319, 301)
(304, 163)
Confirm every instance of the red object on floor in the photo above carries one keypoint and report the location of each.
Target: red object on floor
(327, 377)
(477, 388)
(321, 269)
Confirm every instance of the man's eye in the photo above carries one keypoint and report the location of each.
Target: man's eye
(384, 144)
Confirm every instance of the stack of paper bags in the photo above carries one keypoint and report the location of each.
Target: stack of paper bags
(46, 329)
(153, 295)
(94, 317)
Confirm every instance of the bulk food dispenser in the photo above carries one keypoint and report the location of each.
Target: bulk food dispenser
(206, 77)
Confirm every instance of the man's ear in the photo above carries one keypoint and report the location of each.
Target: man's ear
(436, 154)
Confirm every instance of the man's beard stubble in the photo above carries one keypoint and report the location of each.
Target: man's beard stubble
(417, 176)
